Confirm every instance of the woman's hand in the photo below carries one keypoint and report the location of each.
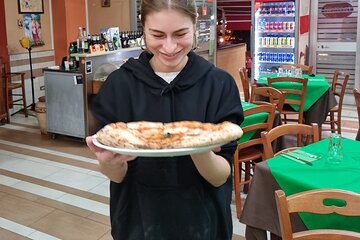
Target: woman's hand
(113, 165)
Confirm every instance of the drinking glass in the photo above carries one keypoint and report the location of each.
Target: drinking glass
(335, 154)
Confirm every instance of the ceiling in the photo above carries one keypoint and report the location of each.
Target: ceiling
(237, 13)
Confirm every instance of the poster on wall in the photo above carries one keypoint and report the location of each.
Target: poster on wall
(31, 6)
(32, 28)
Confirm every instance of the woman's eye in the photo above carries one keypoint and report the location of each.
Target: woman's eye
(181, 34)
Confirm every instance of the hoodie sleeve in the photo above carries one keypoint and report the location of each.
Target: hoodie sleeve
(227, 107)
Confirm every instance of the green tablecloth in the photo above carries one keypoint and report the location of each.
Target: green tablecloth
(316, 87)
(251, 119)
(294, 177)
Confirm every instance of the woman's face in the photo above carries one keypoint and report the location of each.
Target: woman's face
(169, 35)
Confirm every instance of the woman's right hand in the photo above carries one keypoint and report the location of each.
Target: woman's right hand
(113, 165)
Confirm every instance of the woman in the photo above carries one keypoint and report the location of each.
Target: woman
(185, 197)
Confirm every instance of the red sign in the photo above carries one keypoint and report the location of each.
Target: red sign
(337, 10)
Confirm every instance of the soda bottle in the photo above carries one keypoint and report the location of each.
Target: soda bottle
(72, 59)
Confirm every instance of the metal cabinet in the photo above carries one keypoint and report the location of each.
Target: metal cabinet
(64, 93)
(69, 93)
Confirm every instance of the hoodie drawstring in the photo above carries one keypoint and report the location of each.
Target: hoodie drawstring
(172, 88)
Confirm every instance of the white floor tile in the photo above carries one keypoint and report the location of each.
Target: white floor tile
(102, 189)
(74, 179)
(24, 230)
(39, 190)
(84, 203)
(29, 168)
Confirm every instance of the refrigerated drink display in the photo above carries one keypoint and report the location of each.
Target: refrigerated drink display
(274, 35)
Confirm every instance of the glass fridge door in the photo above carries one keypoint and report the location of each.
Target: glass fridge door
(274, 34)
(206, 29)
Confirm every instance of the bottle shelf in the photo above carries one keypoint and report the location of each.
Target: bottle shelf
(276, 15)
(276, 47)
(276, 31)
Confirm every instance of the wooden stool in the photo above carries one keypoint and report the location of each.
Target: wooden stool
(13, 81)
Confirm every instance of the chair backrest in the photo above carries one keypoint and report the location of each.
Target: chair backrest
(338, 86)
(245, 83)
(264, 126)
(308, 132)
(313, 201)
(304, 68)
(267, 95)
(357, 101)
(291, 93)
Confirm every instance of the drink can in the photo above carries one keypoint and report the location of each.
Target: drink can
(271, 26)
(275, 25)
(280, 57)
(284, 25)
(276, 57)
(267, 56)
(264, 41)
(288, 57)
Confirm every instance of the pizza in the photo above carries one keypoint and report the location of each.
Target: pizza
(157, 135)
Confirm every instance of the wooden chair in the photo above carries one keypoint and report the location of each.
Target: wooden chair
(268, 95)
(4, 110)
(304, 68)
(245, 83)
(14, 81)
(313, 201)
(306, 134)
(338, 87)
(249, 152)
(290, 94)
(357, 102)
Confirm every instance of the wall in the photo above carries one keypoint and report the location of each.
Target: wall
(42, 56)
(117, 15)
(3, 42)
(68, 16)
(13, 36)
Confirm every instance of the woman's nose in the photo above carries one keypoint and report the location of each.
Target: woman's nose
(170, 45)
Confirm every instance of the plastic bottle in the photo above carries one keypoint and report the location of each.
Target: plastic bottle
(72, 59)
(80, 41)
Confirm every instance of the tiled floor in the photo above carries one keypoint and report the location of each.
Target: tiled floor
(51, 188)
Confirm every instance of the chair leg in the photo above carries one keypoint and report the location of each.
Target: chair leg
(332, 122)
(237, 177)
(24, 95)
(7, 100)
(247, 177)
(339, 123)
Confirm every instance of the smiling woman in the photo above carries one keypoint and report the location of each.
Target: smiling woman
(164, 197)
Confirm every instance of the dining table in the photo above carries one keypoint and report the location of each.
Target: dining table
(292, 176)
(319, 98)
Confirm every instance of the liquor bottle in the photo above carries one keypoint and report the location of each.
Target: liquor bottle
(89, 42)
(85, 41)
(123, 40)
(80, 41)
(105, 42)
(93, 44)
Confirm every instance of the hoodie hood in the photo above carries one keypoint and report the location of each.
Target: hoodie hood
(194, 70)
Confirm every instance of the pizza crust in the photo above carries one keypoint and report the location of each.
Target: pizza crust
(156, 135)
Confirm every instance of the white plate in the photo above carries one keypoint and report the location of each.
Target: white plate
(156, 152)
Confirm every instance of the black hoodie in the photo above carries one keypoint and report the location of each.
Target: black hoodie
(166, 198)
